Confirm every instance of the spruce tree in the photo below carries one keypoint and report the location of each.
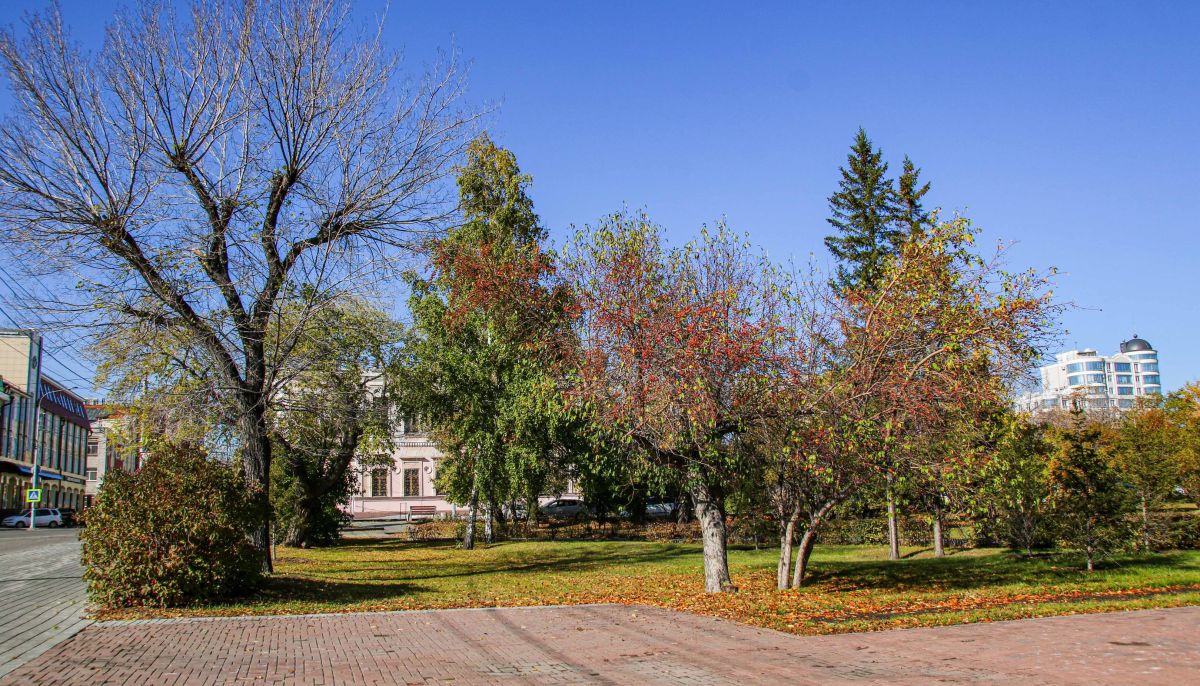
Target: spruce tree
(863, 211)
(911, 216)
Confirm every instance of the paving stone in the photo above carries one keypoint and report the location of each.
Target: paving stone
(612, 644)
(42, 593)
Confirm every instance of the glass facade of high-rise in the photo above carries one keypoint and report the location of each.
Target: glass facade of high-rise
(1097, 381)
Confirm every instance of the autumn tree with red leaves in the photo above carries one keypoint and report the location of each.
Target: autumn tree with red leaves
(680, 351)
(934, 341)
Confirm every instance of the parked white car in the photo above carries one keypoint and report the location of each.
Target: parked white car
(564, 508)
(47, 517)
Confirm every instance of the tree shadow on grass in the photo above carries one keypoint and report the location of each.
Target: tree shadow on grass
(489, 560)
(973, 571)
(340, 592)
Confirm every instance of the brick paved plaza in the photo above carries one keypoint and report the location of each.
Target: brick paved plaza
(612, 644)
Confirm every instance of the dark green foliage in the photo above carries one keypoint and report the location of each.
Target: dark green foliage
(910, 211)
(174, 534)
(1013, 487)
(488, 324)
(863, 211)
(1090, 503)
(307, 501)
(1181, 530)
(328, 416)
(873, 215)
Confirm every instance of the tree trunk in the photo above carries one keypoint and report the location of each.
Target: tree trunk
(784, 572)
(807, 541)
(256, 466)
(1088, 548)
(489, 523)
(469, 537)
(709, 512)
(939, 549)
(300, 527)
(893, 526)
(1145, 525)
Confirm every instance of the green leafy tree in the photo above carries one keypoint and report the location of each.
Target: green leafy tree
(334, 408)
(863, 211)
(1089, 499)
(488, 327)
(1013, 485)
(1142, 450)
(1183, 411)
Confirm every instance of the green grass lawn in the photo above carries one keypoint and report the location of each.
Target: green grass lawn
(852, 587)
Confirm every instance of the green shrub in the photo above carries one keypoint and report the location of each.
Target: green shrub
(437, 530)
(175, 533)
(1179, 530)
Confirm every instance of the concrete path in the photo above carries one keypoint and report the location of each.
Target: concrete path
(611, 644)
(42, 594)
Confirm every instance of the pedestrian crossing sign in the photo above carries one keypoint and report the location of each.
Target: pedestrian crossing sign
(33, 495)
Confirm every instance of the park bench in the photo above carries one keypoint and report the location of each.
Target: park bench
(422, 511)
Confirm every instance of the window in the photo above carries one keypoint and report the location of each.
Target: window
(1096, 378)
(412, 481)
(1144, 356)
(379, 483)
(91, 474)
(1050, 402)
(1076, 380)
(1150, 367)
(1125, 390)
(1125, 404)
(1150, 380)
(1075, 367)
(1124, 378)
(412, 425)
(1122, 367)
(1095, 366)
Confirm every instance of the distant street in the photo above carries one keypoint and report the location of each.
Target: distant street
(42, 594)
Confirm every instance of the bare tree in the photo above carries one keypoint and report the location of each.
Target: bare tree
(207, 169)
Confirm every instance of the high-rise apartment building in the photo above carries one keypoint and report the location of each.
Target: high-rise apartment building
(1100, 382)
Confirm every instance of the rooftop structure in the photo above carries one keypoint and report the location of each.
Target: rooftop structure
(1099, 382)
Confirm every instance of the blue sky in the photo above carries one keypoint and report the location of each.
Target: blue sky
(1068, 127)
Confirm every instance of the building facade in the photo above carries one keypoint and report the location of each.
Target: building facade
(109, 447)
(49, 434)
(406, 480)
(1099, 382)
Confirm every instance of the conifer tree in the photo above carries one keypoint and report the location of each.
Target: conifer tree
(911, 216)
(863, 211)
(1090, 502)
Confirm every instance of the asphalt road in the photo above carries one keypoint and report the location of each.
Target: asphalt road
(42, 595)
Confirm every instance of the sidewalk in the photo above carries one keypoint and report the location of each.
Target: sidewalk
(612, 644)
(42, 594)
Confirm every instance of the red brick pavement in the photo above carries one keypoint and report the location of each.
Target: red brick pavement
(612, 644)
